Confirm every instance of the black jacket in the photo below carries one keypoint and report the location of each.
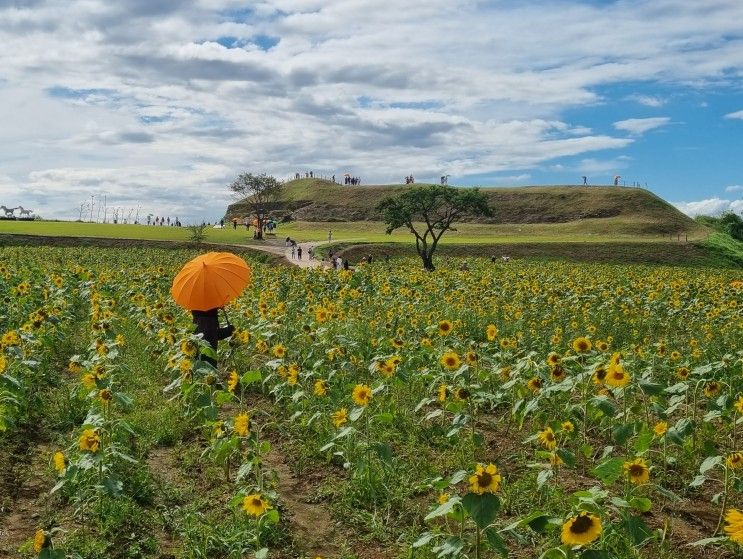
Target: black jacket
(207, 323)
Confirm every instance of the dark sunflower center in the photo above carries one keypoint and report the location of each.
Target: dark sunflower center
(484, 479)
(619, 375)
(257, 502)
(636, 470)
(581, 525)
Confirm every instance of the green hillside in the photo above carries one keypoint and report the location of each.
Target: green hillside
(607, 208)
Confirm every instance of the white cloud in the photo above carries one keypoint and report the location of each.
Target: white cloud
(710, 206)
(647, 100)
(638, 126)
(734, 188)
(142, 100)
(737, 115)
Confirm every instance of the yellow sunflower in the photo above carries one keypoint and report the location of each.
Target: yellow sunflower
(90, 440)
(451, 360)
(660, 428)
(60, 463)
(582, 345)
(734, 525)
(581, 529)
(486, 479)
(232, 380)
(547, 438)
(734, 460)
(362, 395)
(616, 376)
(40, 541)
(443, 392)
(242, 425)
(321, 387)
(534, 384)
(712, 389)
(340, 417)
(491, 332)
(255, 505)
(637, 471)
(445, 327)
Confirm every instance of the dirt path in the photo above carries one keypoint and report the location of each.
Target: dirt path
(311, 522)
(26, 483)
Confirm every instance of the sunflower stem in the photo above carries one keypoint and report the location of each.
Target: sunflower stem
(724, 502)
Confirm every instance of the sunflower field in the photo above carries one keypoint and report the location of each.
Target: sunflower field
(520, 409)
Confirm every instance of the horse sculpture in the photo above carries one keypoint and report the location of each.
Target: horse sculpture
(25, 212)
(8, 211)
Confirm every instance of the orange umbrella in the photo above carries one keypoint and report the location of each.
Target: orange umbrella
(210, 281)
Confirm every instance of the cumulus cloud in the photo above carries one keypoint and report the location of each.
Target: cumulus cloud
(638, 126)
(647, 100)
(710, 206)
(734, 188)
(157, 102)
(737, 115)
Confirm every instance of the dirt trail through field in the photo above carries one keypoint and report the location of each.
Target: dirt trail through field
(311, 522)
(25, 482)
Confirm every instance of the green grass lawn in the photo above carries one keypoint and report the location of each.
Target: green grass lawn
(588, 230)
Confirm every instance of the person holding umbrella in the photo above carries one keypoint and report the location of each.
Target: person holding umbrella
(203, 286)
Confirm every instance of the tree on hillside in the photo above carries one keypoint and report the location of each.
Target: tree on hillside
(430, 211)
(260, 193)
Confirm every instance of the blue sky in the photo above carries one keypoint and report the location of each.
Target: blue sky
(157, 105)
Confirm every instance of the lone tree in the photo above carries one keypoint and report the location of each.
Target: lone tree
(429, 211)
(260, 193)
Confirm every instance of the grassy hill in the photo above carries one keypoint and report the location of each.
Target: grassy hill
(609, 209)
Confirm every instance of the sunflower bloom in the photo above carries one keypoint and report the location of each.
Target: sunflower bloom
(321, 387)
(232, 380)
(340, 417)
(582, 345)
(445, 327)
(616, 376)
(39, 541)
(738, 403)
(734, 525)
(486, 479)
(443, 392)
(90, 440)
(734, 461)
(362, 395)
(60, 464)
(451, 360)
(491, 332)
(534, 384)
(712, 389)
(547, 438)
(255, 505)
(637, 471)
(660, 428)
(581, 529)
(242, 425)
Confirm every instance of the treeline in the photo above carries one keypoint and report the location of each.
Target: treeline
(729, 222)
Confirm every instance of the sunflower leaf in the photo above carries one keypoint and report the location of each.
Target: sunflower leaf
(443, 509)
(482, 508)
(609, 470)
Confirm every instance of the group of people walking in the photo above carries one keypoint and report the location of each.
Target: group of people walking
(163, 221)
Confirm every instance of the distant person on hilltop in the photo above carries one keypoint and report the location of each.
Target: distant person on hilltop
(585, 180)
(330, 235)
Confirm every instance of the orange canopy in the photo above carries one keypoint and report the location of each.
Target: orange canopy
(210, 281)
